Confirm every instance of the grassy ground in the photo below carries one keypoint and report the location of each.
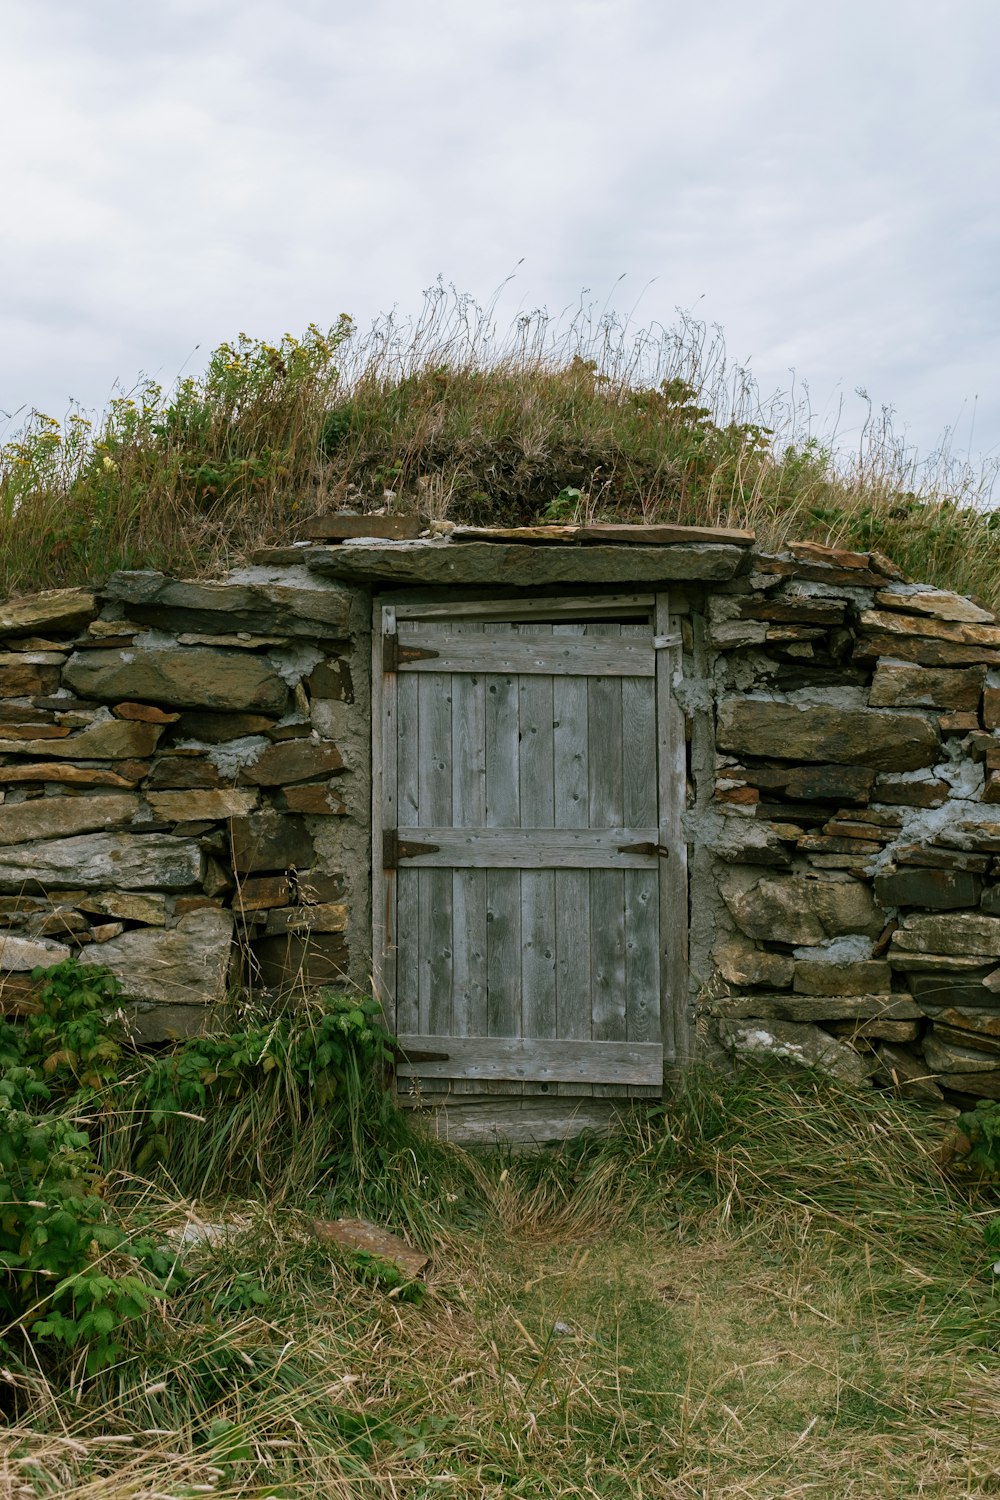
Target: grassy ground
(771, 1290)
(445, 417)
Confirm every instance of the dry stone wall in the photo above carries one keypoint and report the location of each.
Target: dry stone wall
(185, 791)
(184, 794)
(848, 849)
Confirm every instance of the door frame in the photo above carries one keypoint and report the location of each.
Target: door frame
(671, 761)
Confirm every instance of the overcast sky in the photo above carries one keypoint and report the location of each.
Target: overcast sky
(819, 180)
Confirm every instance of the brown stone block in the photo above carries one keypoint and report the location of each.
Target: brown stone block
(145, 713)
(292, 962)
(110, 739)
(324, 917)
(34, 731)
(23, 679)
(194, 806)
(269, 840)
(293, 760)
(991, 707)
(819, 572)
(261, 892)
(183, 771)
(800, 909)
(923, 652)
(796, 611)
(52, 609)
(317, 798)
(900, 686)
(821, 1008)
(19, 995)
(331, 679)
(816, 783)
(822, 844)
(739, 795)
(861, 977)
(909, 1074)
(181, 677)
(898, 792)
(879, 739)
(217, 728)
(937, 603)
(941, 890)
(742, 963)
(885, 1031)
(958, 723)
(956, 631)
(940, 859)
(184, 905)
(961, 934)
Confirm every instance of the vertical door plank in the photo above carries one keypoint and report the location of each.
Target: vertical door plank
(642, 913)
(434, 781)
(503, 810)
(572, 810)
(672, 767)
(538, 891)
(468, 768)
(642, 887)
(607, 887)
(384, 738)
(407, 880)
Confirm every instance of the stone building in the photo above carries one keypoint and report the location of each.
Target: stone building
(581, 803)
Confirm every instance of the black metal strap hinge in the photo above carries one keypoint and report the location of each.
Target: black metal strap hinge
(395, 655)
(394, 848)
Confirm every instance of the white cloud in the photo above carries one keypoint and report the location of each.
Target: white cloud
(820, 182)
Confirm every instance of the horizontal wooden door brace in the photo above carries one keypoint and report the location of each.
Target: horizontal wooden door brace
(576, 656)
(529, 1060)
(524, 848)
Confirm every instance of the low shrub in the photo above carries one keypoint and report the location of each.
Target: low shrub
(276, 1103)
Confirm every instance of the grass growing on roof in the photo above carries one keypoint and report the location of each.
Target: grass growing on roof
(445, 416)
(768, 1288)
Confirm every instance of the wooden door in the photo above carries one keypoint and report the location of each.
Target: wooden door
(530, 925)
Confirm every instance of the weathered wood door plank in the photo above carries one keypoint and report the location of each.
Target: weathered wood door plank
(530, 848)
(523, 1059)
(579, 656)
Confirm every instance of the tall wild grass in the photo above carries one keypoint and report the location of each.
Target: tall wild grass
(445, 414)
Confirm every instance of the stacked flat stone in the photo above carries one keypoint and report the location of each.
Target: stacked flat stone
(855, 805)
(174, 760)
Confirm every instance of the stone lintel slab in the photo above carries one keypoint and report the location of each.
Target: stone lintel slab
(499, 563)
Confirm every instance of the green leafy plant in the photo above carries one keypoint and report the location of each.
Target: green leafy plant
(76, 1102)
(376, 1271)
(981, 1128)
